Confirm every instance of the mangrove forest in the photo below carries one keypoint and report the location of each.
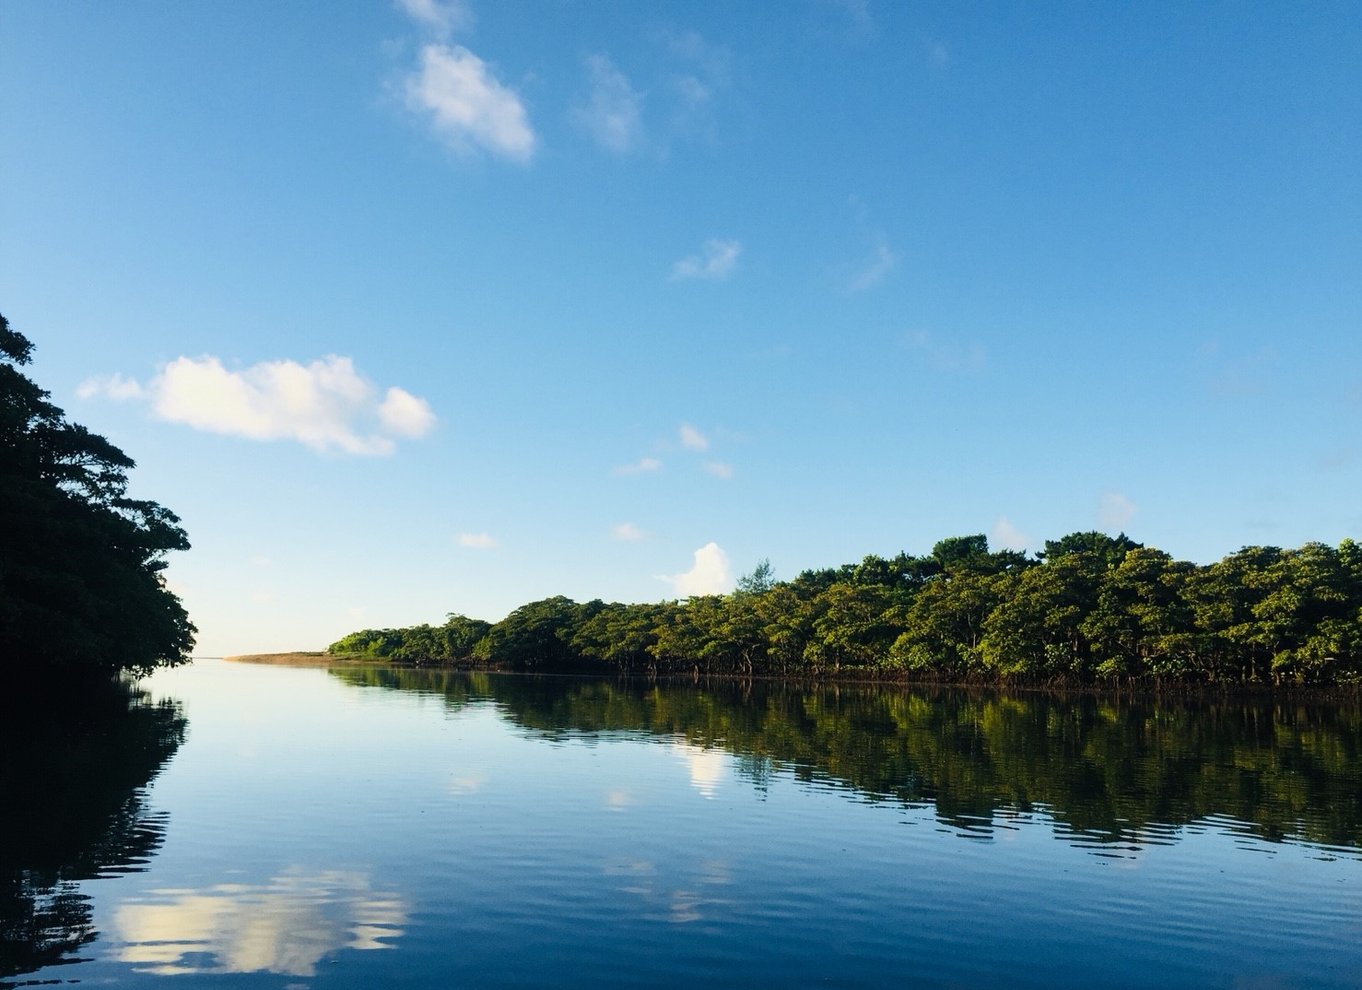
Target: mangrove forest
(1086, 609)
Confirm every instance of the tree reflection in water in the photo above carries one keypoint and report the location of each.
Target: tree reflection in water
(1110, 772)
(74, 774)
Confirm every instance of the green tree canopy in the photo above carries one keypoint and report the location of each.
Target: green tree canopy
(81, 583)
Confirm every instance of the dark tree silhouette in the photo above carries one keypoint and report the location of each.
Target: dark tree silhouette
(81, 585)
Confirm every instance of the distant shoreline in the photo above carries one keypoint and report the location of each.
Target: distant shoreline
(319, 658)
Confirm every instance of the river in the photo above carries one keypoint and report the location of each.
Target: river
(291, 828)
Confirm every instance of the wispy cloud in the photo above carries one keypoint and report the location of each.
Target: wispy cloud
(719, 469)
(1008, 536)
(872, 272)
(1115, 510)
(613, 112)
(709, 574)
(692, 439)
(627, 532)
(440, 17)
(714, 262)
(467, 106)
(852, 16)
(946, 355)
(477, 541)
(882, 260)
(325, 404)
(702, 72)
(113, 386)
(709, 60)
(644, 465)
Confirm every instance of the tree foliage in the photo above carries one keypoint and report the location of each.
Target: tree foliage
(1089, 608)
(81, 583)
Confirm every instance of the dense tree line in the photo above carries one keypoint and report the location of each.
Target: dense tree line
(1088, 608)
(81, 586)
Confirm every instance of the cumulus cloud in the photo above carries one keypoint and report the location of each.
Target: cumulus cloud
(627, 532)
(1115, 510)
(709, 575)
(325, 404)
(404, 414)
(692, 439)
(467, 106)
(719, 469)
(613, 113)
(441, 17)
(715, 262)
(1008, 536)
(477, 541)
(644, 465)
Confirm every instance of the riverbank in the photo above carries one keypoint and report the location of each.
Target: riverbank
(300, 659)
(857, 678)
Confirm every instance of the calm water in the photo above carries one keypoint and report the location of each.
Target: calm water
(366, 828)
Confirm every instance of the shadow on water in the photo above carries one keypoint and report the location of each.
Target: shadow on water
(1112, 774)
(74, 774)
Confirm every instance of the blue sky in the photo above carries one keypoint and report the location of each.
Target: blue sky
(417, 307)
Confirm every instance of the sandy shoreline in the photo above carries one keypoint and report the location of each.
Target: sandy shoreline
(318, 659)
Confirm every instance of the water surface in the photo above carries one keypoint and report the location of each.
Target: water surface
(371, 827)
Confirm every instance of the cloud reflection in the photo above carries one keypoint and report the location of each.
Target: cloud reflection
(694, 899)
(285, 926)
(708, 767)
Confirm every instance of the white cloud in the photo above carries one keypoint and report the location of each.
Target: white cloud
(439, 16)
(874, 271)
(404, 414)
(613, 112)
(468, 106)
(719, 469)
(947, 355)
(627, 532)
(715, 262)
(111, 386)
(645, 465)
(709, 575)
(325, 404)
(693, 439)
(286, 926)
(477, 541)
(1115, 510)
(1008, 536)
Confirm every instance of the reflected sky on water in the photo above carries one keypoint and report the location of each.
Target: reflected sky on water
(365, 827)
